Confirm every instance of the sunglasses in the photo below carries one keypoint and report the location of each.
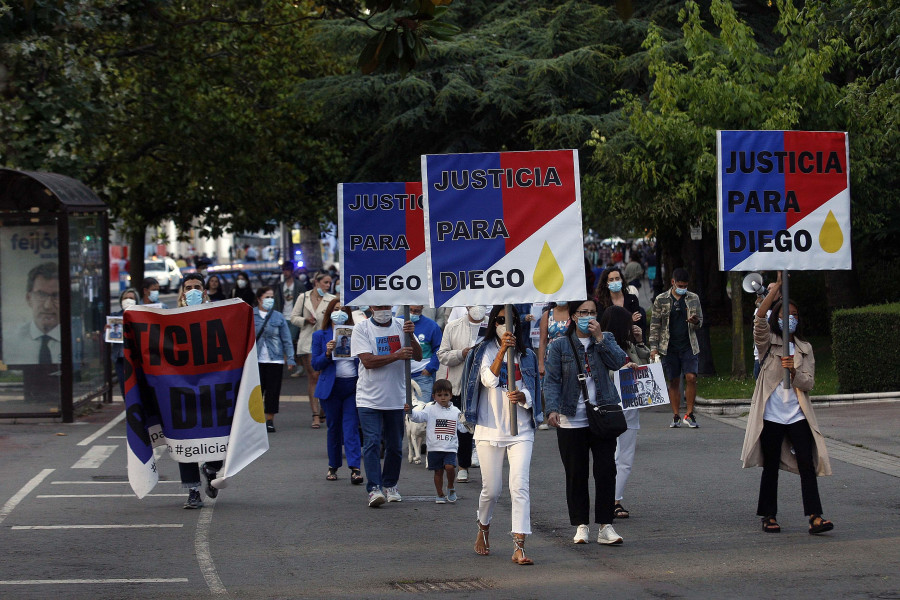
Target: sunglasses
(500, 320)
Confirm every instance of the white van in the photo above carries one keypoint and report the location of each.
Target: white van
(165, 271)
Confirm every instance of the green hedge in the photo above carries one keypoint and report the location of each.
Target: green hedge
(866, 345)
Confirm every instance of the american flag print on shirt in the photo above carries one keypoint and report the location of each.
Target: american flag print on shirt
(444, 427)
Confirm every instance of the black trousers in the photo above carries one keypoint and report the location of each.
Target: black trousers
(575, 448)
(190, 472)
(466, 441)
(270, 383)
(771, 440)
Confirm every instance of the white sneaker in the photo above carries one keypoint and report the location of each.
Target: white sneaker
(582, 534)
(475, 462)
(376, 498)
(463, 476)
(393, 495)
(608, 535)
(543, 427)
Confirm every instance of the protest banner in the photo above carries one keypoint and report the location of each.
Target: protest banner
(381, 229)
(503, 227)
(192, 386)
(783, 200)
(641, 387)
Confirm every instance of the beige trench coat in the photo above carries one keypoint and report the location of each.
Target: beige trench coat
(770, 377)
(303, 308)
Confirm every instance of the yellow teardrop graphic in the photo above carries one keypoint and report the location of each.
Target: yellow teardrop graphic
(831, 238)
(255, 405)
(548, 277)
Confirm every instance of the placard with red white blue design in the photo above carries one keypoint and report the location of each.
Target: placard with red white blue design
(503, 227)
(783, 200)
(381, 231)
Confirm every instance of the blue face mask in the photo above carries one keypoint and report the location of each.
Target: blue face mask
(338, 317)
(792, 323)
(268, 303)
(583, 323)
(562, 303)
(154, 296)
(191, 297)
(414, 318)
(321, 291)
(363, 308)
(614, 286)
(680, 291)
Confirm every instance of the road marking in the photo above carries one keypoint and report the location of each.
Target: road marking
(201, 549)
(97, 482)
(94, 457)
(90, 439)
(91, 581)
(20, 495)
(117, 437)
(108, 496)
(147, 526)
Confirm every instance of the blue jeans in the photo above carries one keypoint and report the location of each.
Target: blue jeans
(342, 422)
(373, 423)
(426, 384)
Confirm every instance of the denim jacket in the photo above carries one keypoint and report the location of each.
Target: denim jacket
(561, 387)
(471, 383)
(276, 337)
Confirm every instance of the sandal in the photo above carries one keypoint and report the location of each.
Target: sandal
(770, 525)
(482, 535)
(619, 512)
(355, 476)
(519, 545)
(819, 525)
(332, 474)
(315, 421)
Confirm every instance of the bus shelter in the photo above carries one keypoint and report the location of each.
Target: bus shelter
(54, 296)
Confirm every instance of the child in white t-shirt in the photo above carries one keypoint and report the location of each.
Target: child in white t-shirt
(443, 421)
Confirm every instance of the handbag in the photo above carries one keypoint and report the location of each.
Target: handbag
(606, 421)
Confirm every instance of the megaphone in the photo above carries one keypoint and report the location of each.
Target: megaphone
(753, 283)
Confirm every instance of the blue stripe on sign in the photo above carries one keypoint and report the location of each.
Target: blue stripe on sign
(196, 406)
(371, 234)
(745, 192)
(455, 208)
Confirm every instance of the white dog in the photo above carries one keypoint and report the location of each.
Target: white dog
(415, 432)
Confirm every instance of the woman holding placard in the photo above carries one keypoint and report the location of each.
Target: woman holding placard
(336, 389)
(578, 372)
(629, 337)
(782, 431)
(489, 404)
(308, 314)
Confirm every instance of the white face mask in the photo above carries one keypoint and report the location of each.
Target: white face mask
(476, 312)
(127, 303)
(381, 316)
(242, 283)
(501, 331)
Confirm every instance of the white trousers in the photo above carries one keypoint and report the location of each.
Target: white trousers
(625, 446)
(491, 457)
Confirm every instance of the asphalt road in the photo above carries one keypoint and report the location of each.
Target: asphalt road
(282, 531)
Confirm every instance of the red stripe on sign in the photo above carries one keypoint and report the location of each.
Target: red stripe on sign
(415, 221)
(537, 186)
(824, 155)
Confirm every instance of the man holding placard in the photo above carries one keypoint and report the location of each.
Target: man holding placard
(381, 396)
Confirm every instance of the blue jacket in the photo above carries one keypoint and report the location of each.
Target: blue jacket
(324, 363)
(276, 337)
(471, 383)
(561, 387)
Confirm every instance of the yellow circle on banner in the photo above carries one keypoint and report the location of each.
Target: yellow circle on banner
(257, 412)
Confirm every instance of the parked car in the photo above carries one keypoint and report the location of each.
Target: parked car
(165, 271)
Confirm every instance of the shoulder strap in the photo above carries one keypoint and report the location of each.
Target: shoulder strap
(265, 321)
(582, 379)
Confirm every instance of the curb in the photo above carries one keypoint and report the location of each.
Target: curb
(736, 406)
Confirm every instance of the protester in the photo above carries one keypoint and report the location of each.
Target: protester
(555, 322)
(150, 292)
(489, 404)
(442, 421)
(611, 292)
(308, 314)
(127, 299)
(634, 272)
(629, 338)
(597, 353)
(274, 348)
(214, 289)
(286, 292)
(243, 290)
(194, 294)
(673, 334)
(336, 389)
(776, 414)
(429, 335)
(460, 336)
(381, 397)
